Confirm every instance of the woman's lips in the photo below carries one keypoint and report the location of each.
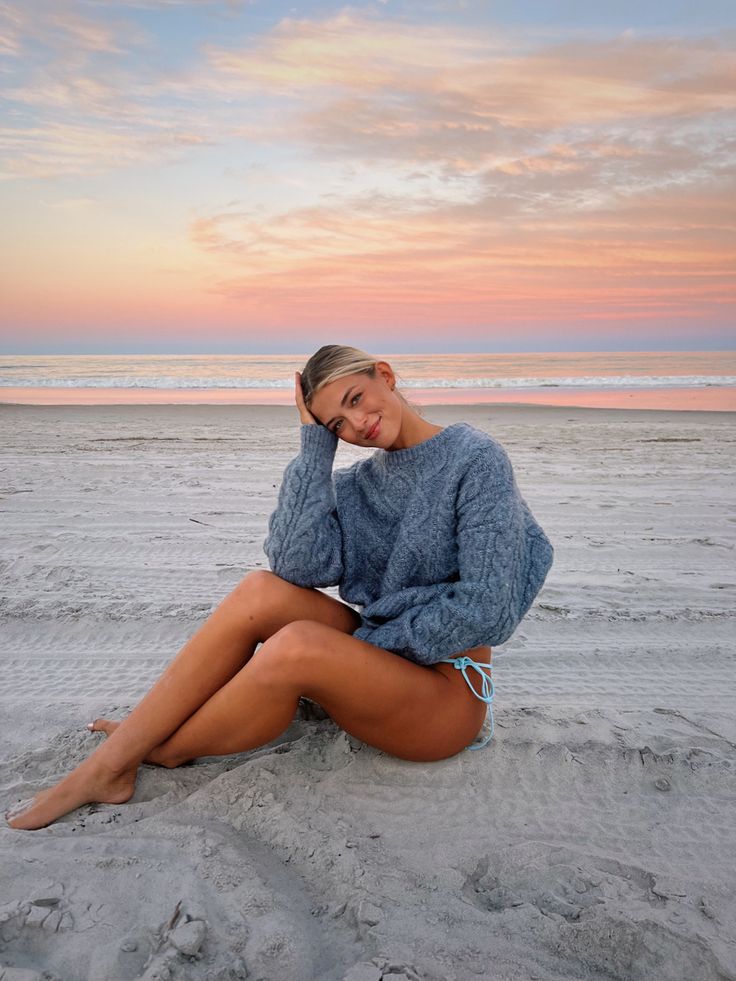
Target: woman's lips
(374, 432)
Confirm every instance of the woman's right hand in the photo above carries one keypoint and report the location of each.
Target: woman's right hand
(304, 414)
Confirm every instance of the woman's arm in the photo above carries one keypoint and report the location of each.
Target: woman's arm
(503, 558)
(304, 541)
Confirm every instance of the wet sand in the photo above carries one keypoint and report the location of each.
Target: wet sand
(698, 399)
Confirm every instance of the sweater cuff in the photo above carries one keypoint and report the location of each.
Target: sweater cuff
(317, 441)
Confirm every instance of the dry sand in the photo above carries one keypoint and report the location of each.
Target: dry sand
(592, 839)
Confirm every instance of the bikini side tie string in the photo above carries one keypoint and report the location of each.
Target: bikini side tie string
(487, 689)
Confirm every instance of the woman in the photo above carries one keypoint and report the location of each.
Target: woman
(429, 535)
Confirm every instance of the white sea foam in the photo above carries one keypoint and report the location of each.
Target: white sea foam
(182, 382)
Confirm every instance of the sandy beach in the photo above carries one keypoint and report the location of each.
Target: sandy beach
(594, 838)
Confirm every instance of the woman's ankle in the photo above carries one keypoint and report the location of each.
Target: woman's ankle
(111, 765)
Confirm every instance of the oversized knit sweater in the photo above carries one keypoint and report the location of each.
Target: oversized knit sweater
(434, 542)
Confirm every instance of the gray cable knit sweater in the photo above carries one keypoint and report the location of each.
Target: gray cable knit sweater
(434, 542)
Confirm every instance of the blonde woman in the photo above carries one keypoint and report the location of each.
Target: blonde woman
(428, 535)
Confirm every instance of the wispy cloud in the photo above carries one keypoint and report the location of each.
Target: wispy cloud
(233, 5)
(59, 150)
(60, 26)
(554, 145)
(12, 26)
(370, 88)
(491, 74)
(668, 250)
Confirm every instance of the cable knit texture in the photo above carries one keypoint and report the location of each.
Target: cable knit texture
(434, 542)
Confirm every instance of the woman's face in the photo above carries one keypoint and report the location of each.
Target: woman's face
(352, 406)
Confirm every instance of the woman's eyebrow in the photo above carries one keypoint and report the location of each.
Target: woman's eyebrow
(344, 400)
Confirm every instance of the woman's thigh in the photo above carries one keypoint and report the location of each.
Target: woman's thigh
(412, 711)
(272, 603)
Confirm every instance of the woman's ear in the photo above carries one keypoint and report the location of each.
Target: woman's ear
(387, 373)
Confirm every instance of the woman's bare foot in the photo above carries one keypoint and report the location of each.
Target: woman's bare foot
(89, 783)
(155, 758)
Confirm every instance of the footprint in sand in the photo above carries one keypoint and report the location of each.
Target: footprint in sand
(627, 923)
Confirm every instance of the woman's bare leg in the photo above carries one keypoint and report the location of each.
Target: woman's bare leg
(410, 711)
(256, 609)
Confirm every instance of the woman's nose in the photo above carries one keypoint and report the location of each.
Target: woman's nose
(359, 420)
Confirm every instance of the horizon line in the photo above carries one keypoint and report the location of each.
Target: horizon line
(408, 354)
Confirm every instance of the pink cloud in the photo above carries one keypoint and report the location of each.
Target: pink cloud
(665, 252)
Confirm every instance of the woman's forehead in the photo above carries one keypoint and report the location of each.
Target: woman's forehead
(334, 391)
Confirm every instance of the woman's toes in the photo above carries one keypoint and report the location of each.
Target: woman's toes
(103, 725)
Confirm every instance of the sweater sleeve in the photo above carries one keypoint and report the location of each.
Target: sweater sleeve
(503, 558)
(304, 541)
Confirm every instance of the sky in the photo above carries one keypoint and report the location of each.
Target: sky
(264, 177)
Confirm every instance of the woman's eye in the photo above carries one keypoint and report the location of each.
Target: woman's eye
(356, 396)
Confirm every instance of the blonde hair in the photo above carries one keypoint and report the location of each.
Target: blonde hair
(334, 361)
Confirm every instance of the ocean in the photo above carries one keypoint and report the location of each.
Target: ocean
(650, 379)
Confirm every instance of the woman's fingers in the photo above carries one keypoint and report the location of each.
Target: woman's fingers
(299, 394)
(304, 413)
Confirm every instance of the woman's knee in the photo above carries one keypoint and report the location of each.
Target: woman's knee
(275, 603)
(258, 584)
(258, 596)
(288, 652)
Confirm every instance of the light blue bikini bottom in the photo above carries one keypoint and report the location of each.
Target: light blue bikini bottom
(486, 694)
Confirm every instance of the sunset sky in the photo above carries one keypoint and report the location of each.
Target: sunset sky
(257, 176)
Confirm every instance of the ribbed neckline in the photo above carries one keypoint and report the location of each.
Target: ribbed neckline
(390, 459)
